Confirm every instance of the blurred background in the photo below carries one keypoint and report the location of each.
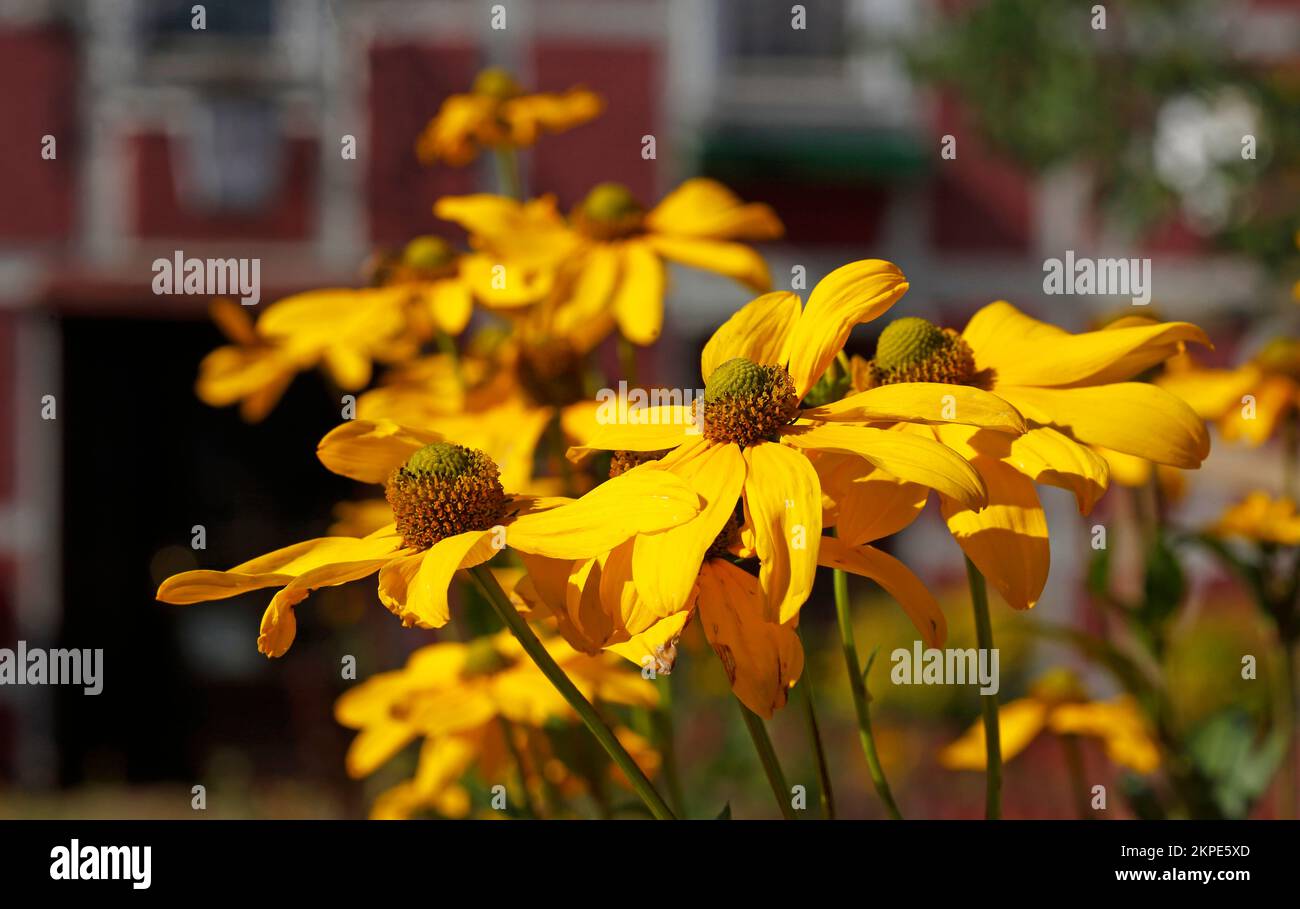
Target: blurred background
(226, 142)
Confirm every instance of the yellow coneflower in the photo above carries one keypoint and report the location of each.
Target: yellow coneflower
(755, 441)
(1059, 704)
(450, 511)
(1073, 391)
(1251, 402)
(610, 252)
(497, 114)
(455, 696)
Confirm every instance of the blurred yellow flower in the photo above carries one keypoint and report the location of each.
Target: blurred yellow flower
(610, 252)
(455, 697)
(1250, 402)
(342, 329)
(1072, 390)
(1057, 703)
(450, 512)
(497, 114)
(1262, 518)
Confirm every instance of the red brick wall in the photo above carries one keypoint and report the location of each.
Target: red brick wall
(407, 83)
(629, 75)
(160, 211)
(38, 68)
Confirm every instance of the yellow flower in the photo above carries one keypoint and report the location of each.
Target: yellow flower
(455, 696)
(1261, 518)
(342, 329)
(450, 512)
(755, 442)
(595, 605)
(497, 114)
(1250, 402)
(1058, 703)
(610, 252)
(1072, 390)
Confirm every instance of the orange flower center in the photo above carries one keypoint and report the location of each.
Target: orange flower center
(442, 490)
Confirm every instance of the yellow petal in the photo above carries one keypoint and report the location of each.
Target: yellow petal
(1019, 722)
(701, 207)
(656, 647)
(763, 659)
(348, 367)
(1212, 393)
(783, 500)
(450, 304)
(1024, 351)
(426, 598)
(870, 503)
(611, 428)
(924, 402)
(1047, 456)
(375, 746)
(370, 450)
(1119, 723)
(499, 283)
(552, 111)
(1007, 540)
(1131, 417)
(852, 294)
(639, 501)
(665, 565)
(758, 331)
(279, 625)
(897, 580)
(639, 298)
(233, 321)
(274, 569)
(907, 456)
(1256, 421)
(320, 318)
(733, 260)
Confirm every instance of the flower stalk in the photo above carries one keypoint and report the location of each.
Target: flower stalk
(501, 604)
(767, 757)
(858, 685)
(979, 598)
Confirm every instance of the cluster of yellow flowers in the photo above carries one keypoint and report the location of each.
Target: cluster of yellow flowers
(485, 437)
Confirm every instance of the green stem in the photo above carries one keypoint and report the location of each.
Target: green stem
(767, 757)
(555, 675)
(979, 598)
(1078, 782)
(662, 718)
(508, 180)
(827, 796)
(508, 732)
(627, 360)
(858, 685)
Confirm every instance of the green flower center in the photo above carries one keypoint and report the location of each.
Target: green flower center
(442, 490)
(915, 350)
(608, 212)
(747, 403)
(496, 83)
(428, 253)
